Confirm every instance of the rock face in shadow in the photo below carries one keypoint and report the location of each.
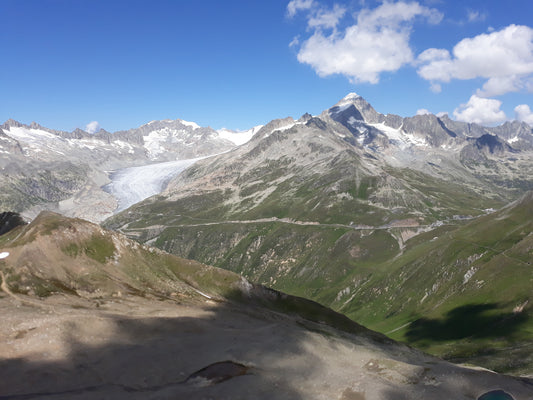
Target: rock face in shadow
(9, 221)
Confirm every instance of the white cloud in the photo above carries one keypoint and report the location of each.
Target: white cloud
(529, 84)
(504, 58)
(422, 111)
(523, 113)
(295, 41)
(476, 16)
(497, 86)
(480, 111)
(391, 15)
(435, 87)
(326, 18)
(298, 5)
(378, 42)
(442, 114)
(92, 127)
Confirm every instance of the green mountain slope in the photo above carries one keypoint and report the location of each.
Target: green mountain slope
(465, 294)
(59, 255)
(88, 313)
(329, 207)
(296, 208)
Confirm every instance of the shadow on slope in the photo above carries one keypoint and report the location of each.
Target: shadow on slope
(104, 354)
(471, 320)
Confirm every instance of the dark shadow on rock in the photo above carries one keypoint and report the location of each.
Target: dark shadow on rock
(471, 320)
(9, 221)
(234, 350)
(393, 394)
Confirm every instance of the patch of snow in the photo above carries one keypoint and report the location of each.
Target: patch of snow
(353, 120)
(193, 125)
(24, 134)
(341, 107)
(401, 138)
(238, 137)
(345, 102)
(285, 128)
(348, 99)
(152, 141)
(513, 139)
(4, 254)
(124, 145)
(156, 121)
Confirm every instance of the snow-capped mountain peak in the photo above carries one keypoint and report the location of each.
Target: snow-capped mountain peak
(166, 122)
(193, 125)
(238, 137)
(351, 96)
(346, 101)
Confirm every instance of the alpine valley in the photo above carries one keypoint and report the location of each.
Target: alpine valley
(418, 228)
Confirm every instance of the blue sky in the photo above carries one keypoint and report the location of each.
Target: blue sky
(236, 64)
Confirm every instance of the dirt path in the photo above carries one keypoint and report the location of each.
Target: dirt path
(284, 221)
(6, 290)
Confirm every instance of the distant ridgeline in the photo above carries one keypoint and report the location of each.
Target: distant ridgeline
(9, 221)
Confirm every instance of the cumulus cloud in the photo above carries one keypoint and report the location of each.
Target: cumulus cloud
(326, 18)
(422, 111)
(92, 127)
(435, 87)
(499, 85)
(475, 16)
(378, 41)
(523, 113)
(481, 111)
(504, 58)
(295, 41)
(298, 5)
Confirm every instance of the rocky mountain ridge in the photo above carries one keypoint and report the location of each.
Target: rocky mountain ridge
(307, 205)
(66, 171)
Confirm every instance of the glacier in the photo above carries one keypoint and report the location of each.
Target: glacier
(134, 184)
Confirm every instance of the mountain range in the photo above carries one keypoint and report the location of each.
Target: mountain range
(322, 206)
(67, 172)
(392, 221)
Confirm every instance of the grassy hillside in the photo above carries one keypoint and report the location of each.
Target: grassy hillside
(306, 211)
(83, 308)
(462, 290)
(465, 294)
(58, 255)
